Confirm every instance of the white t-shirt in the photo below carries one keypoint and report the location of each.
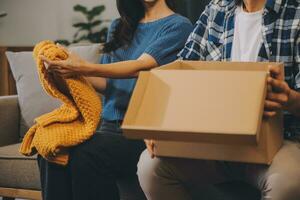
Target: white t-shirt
(247, 38)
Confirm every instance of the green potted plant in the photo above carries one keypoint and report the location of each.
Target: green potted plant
(91, 29)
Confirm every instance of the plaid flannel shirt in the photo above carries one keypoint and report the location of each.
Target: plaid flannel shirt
(212, 39)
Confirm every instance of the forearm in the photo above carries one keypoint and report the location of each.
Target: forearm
(125, 69)
(98, 83)
(293, 105)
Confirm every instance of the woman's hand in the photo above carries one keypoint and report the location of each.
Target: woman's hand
(150, 147)
(278, 92)
(70, 67)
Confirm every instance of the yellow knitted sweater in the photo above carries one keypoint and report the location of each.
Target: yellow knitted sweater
(71, 124)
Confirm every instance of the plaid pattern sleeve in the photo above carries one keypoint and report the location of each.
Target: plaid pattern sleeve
(212, 39)
(297, 60)
(195, 45)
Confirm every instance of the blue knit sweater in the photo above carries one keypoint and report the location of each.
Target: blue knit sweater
(162, 39)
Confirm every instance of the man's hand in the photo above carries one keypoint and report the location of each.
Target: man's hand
(150, 147)
(278, 92)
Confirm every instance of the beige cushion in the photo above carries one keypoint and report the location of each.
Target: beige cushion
(17, 171)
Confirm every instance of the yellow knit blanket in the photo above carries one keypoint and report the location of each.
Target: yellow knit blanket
(71, 124)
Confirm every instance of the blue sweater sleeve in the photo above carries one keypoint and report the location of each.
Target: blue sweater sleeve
(169, 42)
(105, 59)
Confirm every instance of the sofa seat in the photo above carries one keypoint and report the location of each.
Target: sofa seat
(18, 171)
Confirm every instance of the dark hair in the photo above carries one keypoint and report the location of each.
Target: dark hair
(239, 2)
(131, 12)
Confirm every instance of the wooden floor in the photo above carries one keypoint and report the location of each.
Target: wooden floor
(20, 193)
(15, 199)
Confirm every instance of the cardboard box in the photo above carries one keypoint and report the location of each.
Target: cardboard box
(205, 110)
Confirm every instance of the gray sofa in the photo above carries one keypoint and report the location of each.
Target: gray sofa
(19, 175)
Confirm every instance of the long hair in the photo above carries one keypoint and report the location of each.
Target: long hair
(131, 12)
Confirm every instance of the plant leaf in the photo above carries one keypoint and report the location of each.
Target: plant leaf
(92, 37)
(99, 36)
(95, 12)
(77, 33)
(63, 42)
(84, 37)
(83, 26)
(80, 8)
(96, 23)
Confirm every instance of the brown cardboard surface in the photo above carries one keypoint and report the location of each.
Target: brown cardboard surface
(262, 153)
(206, 110)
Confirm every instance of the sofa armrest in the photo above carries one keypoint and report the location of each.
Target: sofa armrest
(9, 120)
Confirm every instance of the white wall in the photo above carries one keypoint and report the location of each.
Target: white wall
(30, 21)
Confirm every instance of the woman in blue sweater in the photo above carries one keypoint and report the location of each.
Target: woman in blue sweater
(148, 34)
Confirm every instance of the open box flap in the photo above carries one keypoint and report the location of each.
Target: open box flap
(219, 65)
(228, 103)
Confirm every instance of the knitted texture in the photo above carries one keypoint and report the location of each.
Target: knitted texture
(71, 124)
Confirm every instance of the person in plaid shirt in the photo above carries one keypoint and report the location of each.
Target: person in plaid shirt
(241, 30)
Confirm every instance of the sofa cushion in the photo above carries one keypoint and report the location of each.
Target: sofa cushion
(33, 100)
(17, 171)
